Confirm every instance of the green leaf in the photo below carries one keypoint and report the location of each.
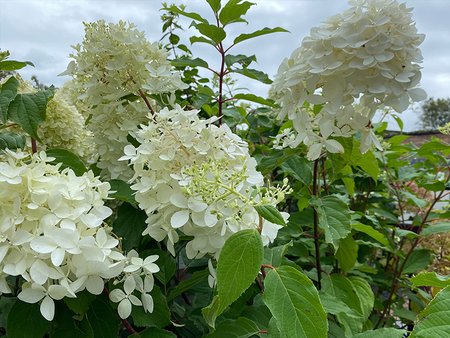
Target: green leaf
(129, 224)
(253, 74)
(8, 92)
(167, 266)
(347, 253)
(334, 218)
(274, 256)
(194, 16)
(28, 110)
(187, 284)
(430, 279)
(216, 34)
(299, 168)
(375, 234)
(356, 294)
(381, 333)
(243, 60)
(122, 191)
(68, 160)
(239, 264)
(9, 65)
(418, 260)
(239, 328)
(367, 162)
(436, 228)
(270, 213)
(294, 302)
(233, 10)
(80, 304)
(12, 141)
(194, 39)
(259, 32)
(25, 321)
(186, 61)
(434, 319)
(214, 4)
(254, 98)
(160, 317)
(66, 325)
(153, 332)
(104, 320)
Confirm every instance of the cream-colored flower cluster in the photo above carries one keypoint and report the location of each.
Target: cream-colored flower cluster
(53, 235)
(195, 178)
(369, 55)
(113, 62)
(64, 127)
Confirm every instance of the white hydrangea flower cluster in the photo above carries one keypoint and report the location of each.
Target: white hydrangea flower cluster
(368, 55)
(113, 62)
(198, 179)
(64, 127)
(52, 234)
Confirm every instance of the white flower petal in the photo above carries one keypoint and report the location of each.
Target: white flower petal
(48, 308)
(179, 218)
(124, 308)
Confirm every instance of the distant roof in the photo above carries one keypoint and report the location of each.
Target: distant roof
(419, 137)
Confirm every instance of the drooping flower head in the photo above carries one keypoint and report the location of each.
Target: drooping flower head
(53, 235)
(198, 179)
(369, 55)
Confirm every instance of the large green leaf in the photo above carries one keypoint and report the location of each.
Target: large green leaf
(270, 213)
(186, 61)
(235, 328)
(233, 11)
(160, 317)
(299, 168)
(436, 228)
(294, 303)
(356, 294)
(187, 284)
(274, 256)
(9, 65)
(347, 253)
(254, 74)
(243, 60)
(194, 16)
(68, 160)
(214, 4)
(419, 260)
(67, 325)
(28, 110)
(259, 32)
(375, 234)
(153, 332)
(430, 279)
(103, 318)
(8, 92)
(381, 333)
(238, 266)
(80, 305)
(334, 218)
(254, 98)
(216, 34)
(25, 321)
(434, 319)
(129, 224)
(122, 191)
(12, 141)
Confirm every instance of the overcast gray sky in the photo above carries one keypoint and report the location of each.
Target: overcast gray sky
(42, 31)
